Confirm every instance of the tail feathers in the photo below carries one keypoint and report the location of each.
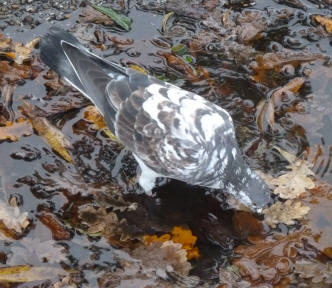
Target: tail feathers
(84, 70)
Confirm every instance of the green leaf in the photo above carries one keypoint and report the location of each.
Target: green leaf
(179, 49)
(121, 20)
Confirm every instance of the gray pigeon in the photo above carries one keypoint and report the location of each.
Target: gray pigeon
(171, 132)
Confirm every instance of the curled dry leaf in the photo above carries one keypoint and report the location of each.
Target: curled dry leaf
(317, 272)
(25, 273)
(12, 218)
(178, 235)
(325, 21)
(285, 213)
(266, 109)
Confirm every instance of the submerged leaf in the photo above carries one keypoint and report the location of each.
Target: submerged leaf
(178, 235)
(325, 21)
(294, 182)
(14, 130)
(318, 272)
(122, 20)
(165, 20)
(12, 218)
(163, 257)
(27, 273)
(285, 213)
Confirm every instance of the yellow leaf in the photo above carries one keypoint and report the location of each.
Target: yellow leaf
(138, 68)
(53, 136)
(92, 115)
(25, 273)
(325, 21)
(14, 130)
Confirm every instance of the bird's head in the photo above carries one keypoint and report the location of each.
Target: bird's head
(246, 185)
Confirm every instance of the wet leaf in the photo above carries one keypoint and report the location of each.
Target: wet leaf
(59, 232)
(178, 235)
(91, 15)
(51, 134)
(14, 130)
(25, 273)
(92, 115)
(285, 213)
(294, 182)
(21, 53)
(163, 258)
(165, 20)
(317, 272)
(12, 218)
(122, 20)
(138, 68)
(180, 49)
(325, 21)
(269, 259)
(266, 113)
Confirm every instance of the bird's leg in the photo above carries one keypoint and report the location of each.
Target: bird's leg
(148, 177)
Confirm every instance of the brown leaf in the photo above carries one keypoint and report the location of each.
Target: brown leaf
(59, 232)
(317, 272)
(163, 257)
(325, 21)
(91, 15)
(269, 259)
(285, 213)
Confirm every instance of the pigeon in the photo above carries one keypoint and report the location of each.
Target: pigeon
(172, 133)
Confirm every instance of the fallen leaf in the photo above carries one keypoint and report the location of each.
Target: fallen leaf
(269, 259)
(19, 52)
(285, 213)
(163, 258)
(267, 111)
(230, 277)
(178, 235)
(14, 130)
(316, 271)
(59, 232)
(25, 273)
(325, 21)
(12, 218)
(51, 134)
(121, 20)
(294, 182)
(91, 15)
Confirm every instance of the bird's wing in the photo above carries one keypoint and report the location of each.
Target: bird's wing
(176, 133)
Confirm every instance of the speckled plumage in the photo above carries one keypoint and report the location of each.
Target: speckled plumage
(171, 132)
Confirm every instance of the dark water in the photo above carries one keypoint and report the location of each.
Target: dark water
(48, 183)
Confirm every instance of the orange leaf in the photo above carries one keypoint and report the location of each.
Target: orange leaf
(178, 235)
